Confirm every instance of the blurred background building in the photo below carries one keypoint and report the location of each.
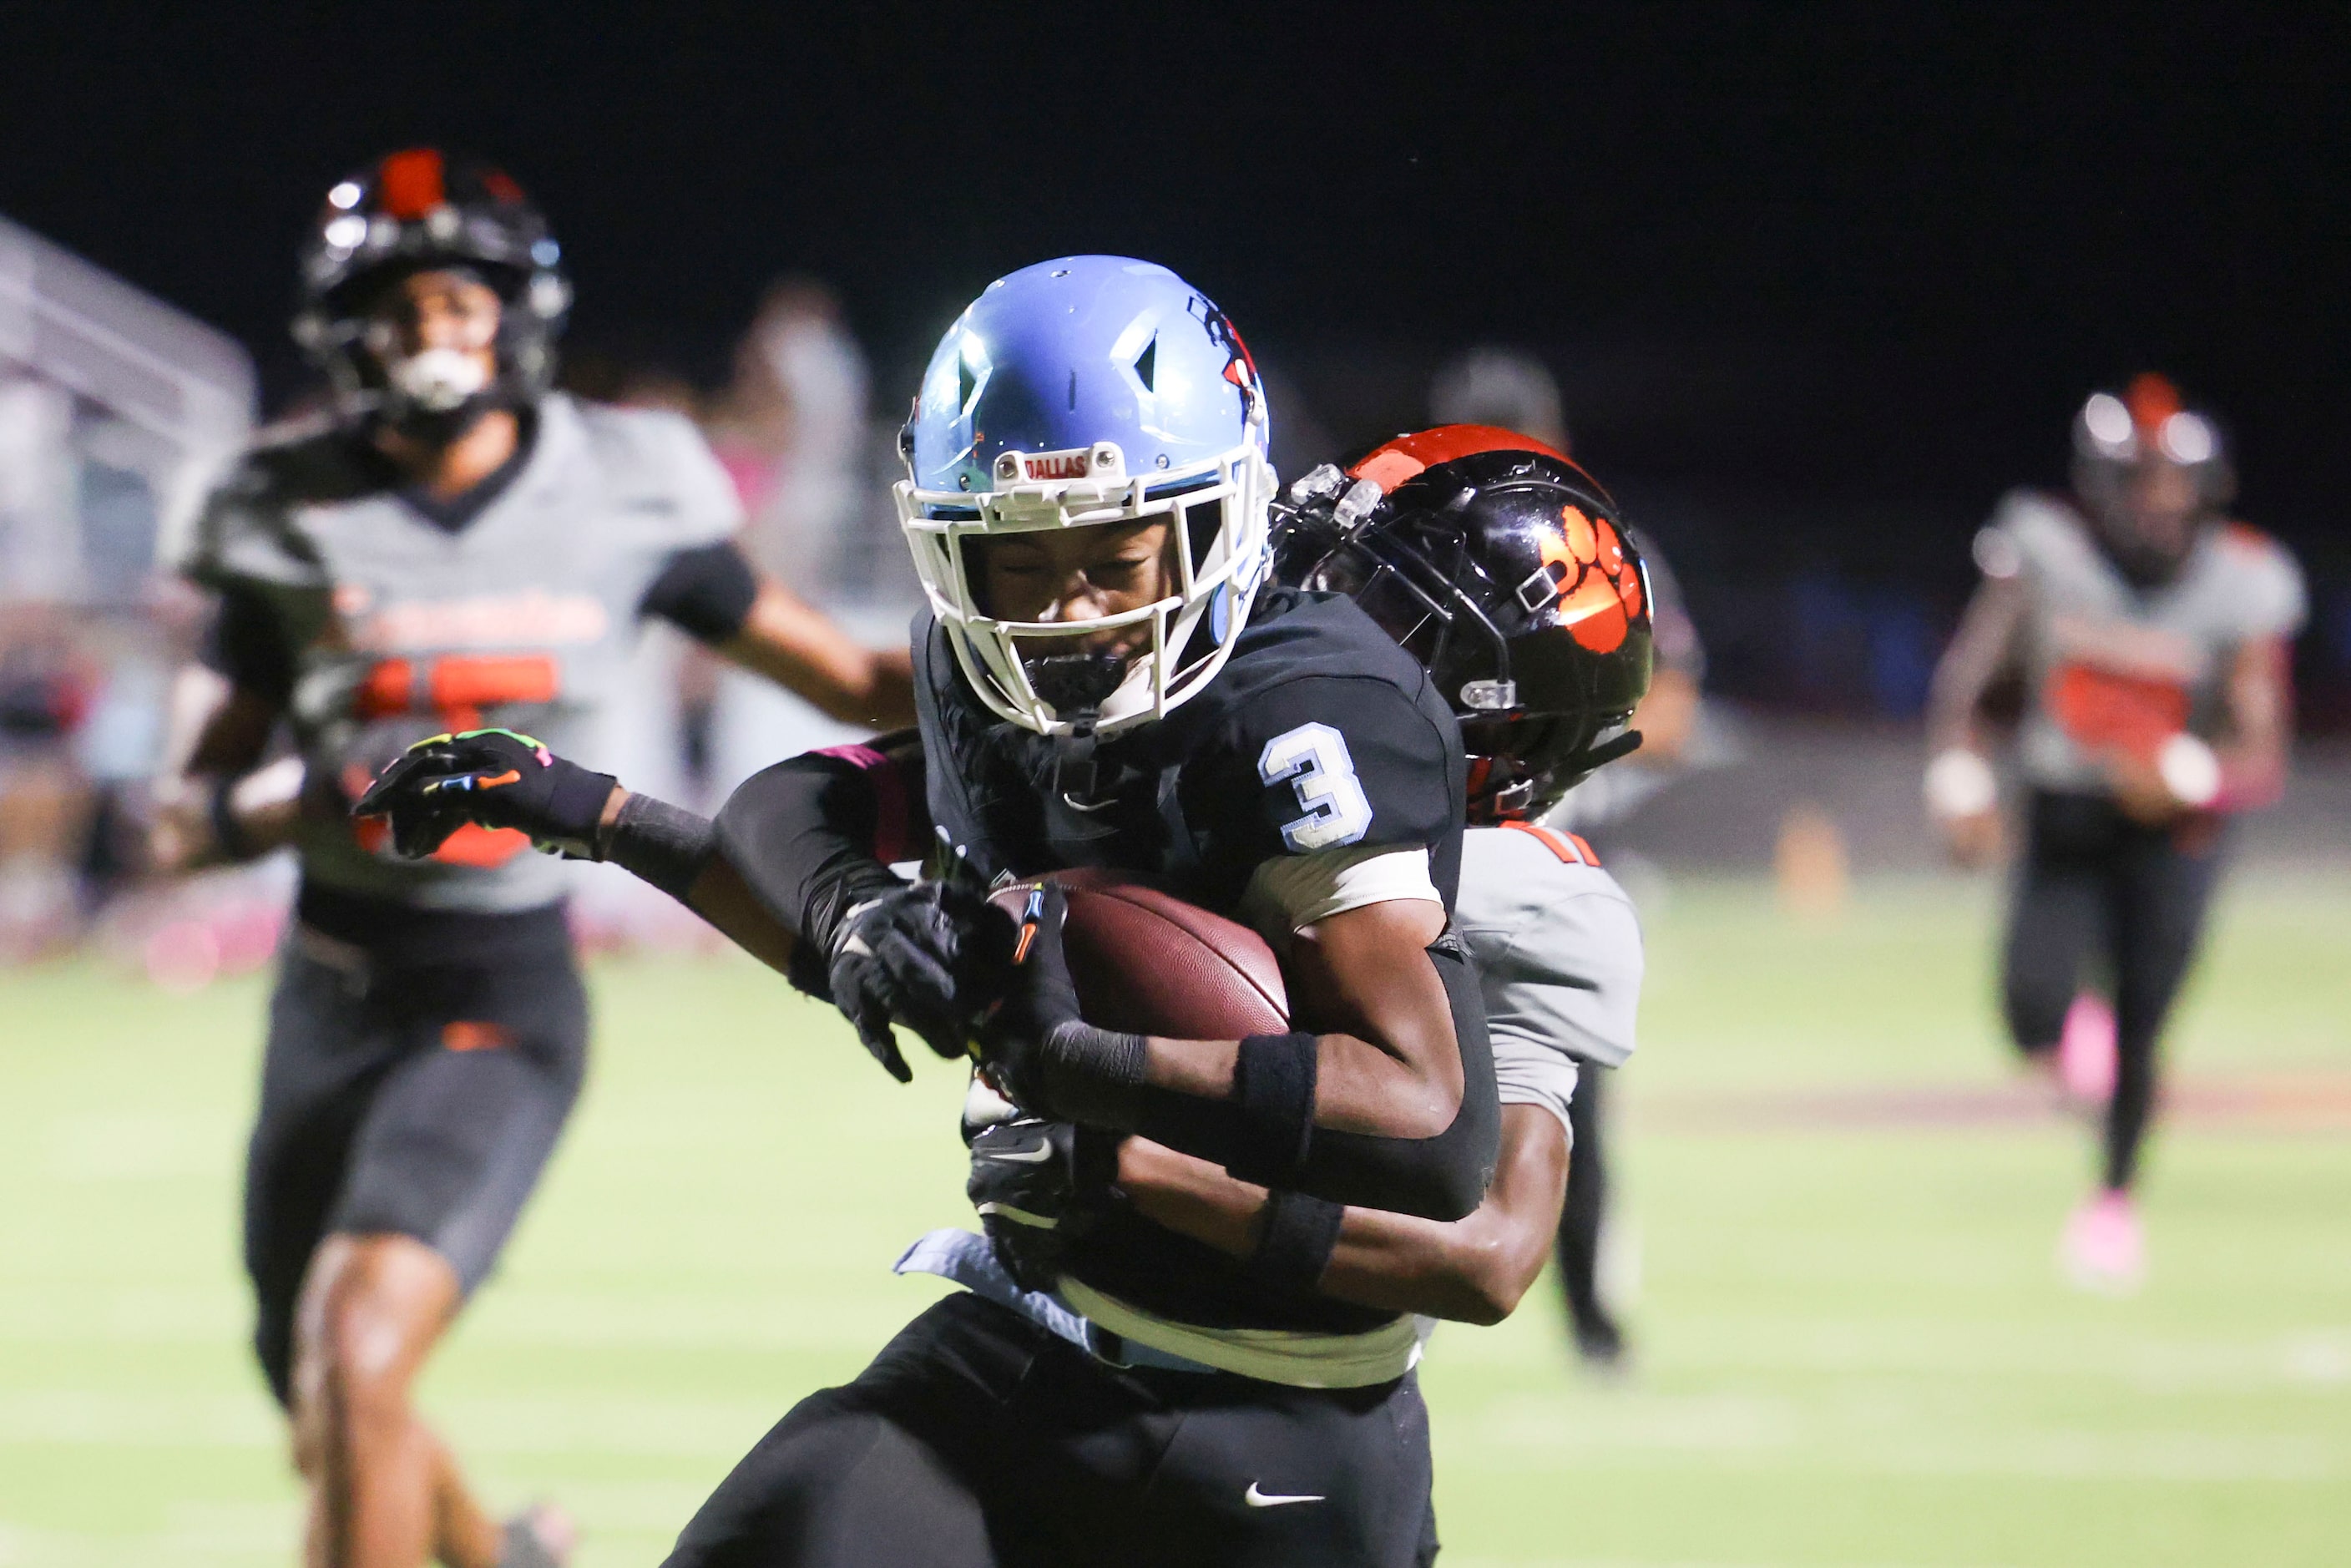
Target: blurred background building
(115, 408)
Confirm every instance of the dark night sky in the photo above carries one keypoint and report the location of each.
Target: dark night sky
(1832, 251)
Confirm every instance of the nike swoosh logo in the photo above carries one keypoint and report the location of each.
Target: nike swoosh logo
(1256, 1499)
(1036, 1156)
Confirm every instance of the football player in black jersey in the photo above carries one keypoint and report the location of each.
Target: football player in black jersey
(1103, 681)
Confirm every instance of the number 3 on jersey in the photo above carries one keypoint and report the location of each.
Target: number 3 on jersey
(1313, 758)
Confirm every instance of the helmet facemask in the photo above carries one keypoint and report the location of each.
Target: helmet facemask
(1041, 674)
(2151, 474)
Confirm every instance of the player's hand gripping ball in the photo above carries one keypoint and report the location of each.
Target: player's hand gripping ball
(494, 778)
(1035, 1023)
(929, 956)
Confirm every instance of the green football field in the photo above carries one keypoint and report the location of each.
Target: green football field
(1852, 1345)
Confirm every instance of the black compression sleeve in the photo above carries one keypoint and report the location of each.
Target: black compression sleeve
(807, 835)
(247, 644)
(657, 842)
(705, 591)
(1442, 1177)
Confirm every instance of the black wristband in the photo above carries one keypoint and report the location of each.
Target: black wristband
(1273, 1085)
(659, 843)
(1094, 1075)
(229, 836)
(1300, 1234)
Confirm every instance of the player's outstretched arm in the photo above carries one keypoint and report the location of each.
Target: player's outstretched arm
(1469, 1270)
(793, 870)
(1961, 793)
(798, 647)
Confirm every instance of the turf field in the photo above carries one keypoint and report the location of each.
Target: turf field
(1854, 1348)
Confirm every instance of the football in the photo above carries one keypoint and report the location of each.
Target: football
(1148, 963)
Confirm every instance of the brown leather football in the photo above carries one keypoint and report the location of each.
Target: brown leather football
(1148, 963)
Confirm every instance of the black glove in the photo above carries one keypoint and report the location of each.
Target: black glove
(1036, 1047)
(928, 955)
(1039, 1186)
(492, 777)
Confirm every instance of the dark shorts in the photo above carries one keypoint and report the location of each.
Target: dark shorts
(419, 1101)
(978, 1439)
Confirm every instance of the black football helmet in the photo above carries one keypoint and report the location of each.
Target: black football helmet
(2119, 442)
(416, 211)
(1501, 565)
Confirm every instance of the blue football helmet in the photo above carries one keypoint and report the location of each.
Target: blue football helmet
(1085, 391)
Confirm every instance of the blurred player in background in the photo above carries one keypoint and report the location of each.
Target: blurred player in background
(793, 429)
(1106, 682)
(2152, 636)
(1513, 390)
(455, 545)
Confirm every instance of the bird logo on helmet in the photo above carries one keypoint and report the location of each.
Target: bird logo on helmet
(1502, 567)
(1085, 391)
(416, 211)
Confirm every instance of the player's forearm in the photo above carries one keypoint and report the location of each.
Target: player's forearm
(1390, 1063)
(800, 650)
(1470, 1270)
(1388, 1116)
(2260, 699)
(212, 805)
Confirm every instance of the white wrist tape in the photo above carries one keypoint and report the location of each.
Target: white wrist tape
(1961, 784)
(2190, 770)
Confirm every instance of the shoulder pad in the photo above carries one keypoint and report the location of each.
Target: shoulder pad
(661, 471)
(247, 528)
(2269, 592)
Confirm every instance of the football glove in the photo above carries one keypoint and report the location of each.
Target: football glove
(925, 956)
(1034, 1044)
(1039, 1186)
(495, 777)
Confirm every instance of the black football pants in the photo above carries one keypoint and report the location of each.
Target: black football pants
(1586, 1207)
(2098, 892)
(976, 1439)
(422, 1102)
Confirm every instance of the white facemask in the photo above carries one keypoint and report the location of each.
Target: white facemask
(436, 380)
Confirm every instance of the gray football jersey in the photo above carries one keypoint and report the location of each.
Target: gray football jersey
(524, 618)
(2108, 665)
(1558, 950)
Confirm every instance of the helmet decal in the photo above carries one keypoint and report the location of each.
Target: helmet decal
(412, 184)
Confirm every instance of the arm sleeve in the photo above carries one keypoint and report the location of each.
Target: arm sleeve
(813, 835)
(704, 590)
(1291, 893)
(247, 644)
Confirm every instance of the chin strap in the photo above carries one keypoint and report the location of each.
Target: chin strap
(1076, 685)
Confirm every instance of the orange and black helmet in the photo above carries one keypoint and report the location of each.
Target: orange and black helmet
(1501, 566)
(421, 209)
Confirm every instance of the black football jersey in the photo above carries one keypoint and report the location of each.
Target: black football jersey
(1319, 733)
